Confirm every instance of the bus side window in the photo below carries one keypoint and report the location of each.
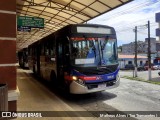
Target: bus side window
(63, 50)
(46, 48)
(52, 48)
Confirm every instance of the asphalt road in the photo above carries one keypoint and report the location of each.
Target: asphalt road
(135, 96)
(129, 96)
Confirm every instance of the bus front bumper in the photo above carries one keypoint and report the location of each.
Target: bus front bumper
(76, 88)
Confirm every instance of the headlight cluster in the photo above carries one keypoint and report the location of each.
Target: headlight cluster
(74, 78)
(80, 81)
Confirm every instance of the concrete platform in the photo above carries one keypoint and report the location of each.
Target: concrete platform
(34, 96)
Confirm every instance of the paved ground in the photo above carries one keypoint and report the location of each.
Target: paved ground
(142, 74)
(36, 97)
(129, 96)
(135, 96)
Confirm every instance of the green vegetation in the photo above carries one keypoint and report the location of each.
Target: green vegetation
(140, 79)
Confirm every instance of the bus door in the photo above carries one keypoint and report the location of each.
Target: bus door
(62, 62)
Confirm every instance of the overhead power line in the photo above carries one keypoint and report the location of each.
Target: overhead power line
(135, 7)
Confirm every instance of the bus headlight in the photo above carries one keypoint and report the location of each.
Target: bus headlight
(78, 80)
(74, 78)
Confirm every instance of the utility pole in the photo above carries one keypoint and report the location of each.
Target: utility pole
(135, 51)
(149, 53)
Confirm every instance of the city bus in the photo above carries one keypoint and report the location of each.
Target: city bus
(23, 58)
(81, 58)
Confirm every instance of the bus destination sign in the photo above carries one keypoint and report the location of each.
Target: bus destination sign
(33, 22)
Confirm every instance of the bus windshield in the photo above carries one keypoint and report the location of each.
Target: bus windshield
(93, 51)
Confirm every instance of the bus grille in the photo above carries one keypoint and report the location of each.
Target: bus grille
(95, 85)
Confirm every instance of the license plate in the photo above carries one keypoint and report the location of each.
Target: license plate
(101, 85)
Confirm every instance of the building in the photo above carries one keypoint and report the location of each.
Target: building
(142, 50)
(130, 48)
(129, 59)
(142, 47)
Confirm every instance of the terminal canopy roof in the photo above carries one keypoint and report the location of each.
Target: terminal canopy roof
(59, 13)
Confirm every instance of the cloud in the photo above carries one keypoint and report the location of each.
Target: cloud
(125, 18)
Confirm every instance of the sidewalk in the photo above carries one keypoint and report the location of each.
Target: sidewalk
(142, 75)
(37, 97)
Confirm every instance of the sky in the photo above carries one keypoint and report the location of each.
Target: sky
(125, 18)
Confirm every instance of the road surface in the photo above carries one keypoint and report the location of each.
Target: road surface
(129, 96)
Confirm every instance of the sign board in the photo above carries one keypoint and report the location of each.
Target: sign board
(24, 29)
(98, 30)
(33, 22)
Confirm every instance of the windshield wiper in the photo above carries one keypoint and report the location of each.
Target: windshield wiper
(94, 49)
(102, 48)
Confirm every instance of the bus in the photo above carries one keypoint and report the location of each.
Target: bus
(81, 58)
(23, 58)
